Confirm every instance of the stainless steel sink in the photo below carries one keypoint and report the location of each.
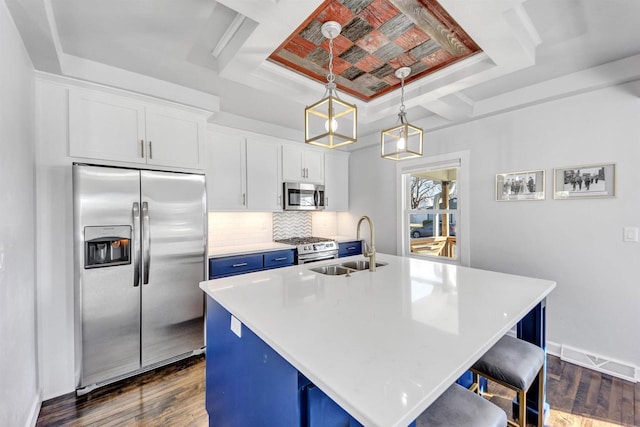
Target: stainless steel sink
(360, 264)
(331, 270)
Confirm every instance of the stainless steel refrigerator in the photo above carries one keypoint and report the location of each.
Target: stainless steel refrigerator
(139, 239)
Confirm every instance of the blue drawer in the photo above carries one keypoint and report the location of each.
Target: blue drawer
(232, 265)
(277, 259)
(349, 248)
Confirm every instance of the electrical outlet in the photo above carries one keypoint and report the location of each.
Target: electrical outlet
(630, 234)
(236, 326)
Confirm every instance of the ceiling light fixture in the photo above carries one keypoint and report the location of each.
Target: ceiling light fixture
(330, 122)
(403, 141)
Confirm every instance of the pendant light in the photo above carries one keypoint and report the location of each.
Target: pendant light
(403, 141)
(330, 122)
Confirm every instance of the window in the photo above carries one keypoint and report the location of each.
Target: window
(430, 221)
(432, 212)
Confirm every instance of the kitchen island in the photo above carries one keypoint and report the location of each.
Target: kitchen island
(382, 345)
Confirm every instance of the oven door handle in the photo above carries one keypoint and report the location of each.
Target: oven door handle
(307, 260)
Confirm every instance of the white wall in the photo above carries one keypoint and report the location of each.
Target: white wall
(55, 241)
(19, 394)
(372, 192)
(577, 243)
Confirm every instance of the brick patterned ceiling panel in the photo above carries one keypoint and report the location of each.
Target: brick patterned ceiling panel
(377, 38)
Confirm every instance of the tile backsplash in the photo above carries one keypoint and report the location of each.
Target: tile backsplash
(324, 224)
(239, 228)
(291, 224)
(245, 228)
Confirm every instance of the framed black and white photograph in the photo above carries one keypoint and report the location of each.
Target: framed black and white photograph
(528, 185)
(581, 182)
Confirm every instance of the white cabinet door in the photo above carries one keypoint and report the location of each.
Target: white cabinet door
(336, 181)
(302, 165)
(103, 126)
(226, 173)
(264, 185)
(292, 169)
(110, 127)
(174, 138)
(313, 162)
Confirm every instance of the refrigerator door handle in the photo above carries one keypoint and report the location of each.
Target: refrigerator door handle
(146, 241)
(136, 243)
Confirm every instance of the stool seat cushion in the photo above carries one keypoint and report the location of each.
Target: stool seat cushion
(459, 407)
(512, 361)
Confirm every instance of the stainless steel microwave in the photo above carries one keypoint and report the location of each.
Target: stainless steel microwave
(299, 196)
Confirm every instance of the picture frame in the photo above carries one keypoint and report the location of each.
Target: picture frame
(585, 182)
(524, 185)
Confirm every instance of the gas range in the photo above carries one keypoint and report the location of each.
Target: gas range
(310, 249)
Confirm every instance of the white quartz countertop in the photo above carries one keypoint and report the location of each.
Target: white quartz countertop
(220, 251)
(383, 345)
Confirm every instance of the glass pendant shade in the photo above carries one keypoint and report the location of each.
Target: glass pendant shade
(403, 141)
(331, 122)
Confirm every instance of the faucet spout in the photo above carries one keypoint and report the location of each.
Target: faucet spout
(369, 252)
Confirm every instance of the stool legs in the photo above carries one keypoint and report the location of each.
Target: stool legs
(541, 387)
(522, 397)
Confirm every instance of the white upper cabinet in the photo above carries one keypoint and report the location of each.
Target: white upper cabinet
(243, 173)
(336, 181)
(226, 172)
(173, 138)
(264, 183)
(103, 126)
(300, 164)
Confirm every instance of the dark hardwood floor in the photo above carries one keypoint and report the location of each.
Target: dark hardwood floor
(174, 396)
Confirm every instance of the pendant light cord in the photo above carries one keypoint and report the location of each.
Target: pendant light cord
(402, 115)
(331, 77)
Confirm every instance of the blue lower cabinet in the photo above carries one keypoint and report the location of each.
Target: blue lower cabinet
(349, 248)
(232, 265)
(241, 264)
(248, 383)
(277, 259)
(323, 412)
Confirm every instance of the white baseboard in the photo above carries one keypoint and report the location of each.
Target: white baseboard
(35, 410)
(554, 349)
(596, 362)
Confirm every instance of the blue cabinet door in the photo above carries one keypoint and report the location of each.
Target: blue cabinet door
(232, 265)
(248, 384)
(349, 248)
(277, 259)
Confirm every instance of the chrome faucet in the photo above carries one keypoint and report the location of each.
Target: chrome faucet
(368, 252)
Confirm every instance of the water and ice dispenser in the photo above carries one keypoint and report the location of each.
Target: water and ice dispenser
(107, 246)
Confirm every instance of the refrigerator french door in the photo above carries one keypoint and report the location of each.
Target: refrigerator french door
(140, 239)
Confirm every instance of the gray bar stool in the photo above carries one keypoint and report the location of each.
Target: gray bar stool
(514, 363)
(459, 407)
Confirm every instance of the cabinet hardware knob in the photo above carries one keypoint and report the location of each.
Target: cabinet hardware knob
(242, 264)
(142, 148)
(150, 152)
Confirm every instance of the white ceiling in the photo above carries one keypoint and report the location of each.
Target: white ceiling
(533, 50)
